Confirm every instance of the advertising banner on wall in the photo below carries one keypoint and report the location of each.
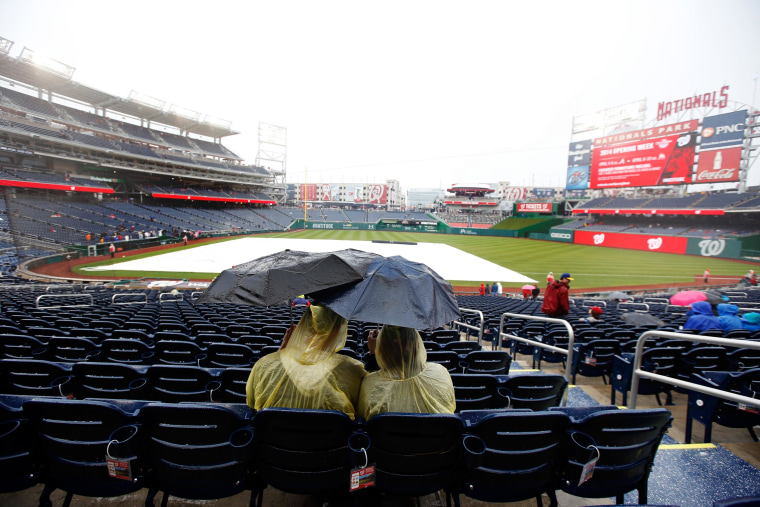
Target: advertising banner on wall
(565, 235)
(578, 177)
(721, 165)
(359, 193)
(665, 160)
(326, 192)
(308, 191)
(515, 193)
(377, 194)
(543, 192)
(729, 248)
(350, 194)
(632, 241)
(534, 207)
(723, 130)
(580, 153)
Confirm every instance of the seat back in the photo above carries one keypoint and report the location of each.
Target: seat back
(627, 441)
(304, 451)
(189, 451)
(174, 384)
(35, 378)
(492, 362)
(178, 353)
(536, 392)
(415, 454)
(127, 351)
(447, 358)
(594, 358)
(21, 346)
(107, 380)
(462, 347)
(228, 355)
(233, 381)
(524, 454)
(74, 438)
(477, 392)
(17, 467)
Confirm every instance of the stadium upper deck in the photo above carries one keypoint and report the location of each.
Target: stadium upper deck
(43, 111)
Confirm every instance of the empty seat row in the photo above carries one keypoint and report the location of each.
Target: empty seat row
(205, 451)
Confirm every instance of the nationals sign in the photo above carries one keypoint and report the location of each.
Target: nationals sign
(665, 160)
(632, 241)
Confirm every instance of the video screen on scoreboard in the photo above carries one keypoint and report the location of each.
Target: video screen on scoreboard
(665, 160)
(655, 156)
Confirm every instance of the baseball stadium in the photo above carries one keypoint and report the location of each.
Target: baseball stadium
(124, 375)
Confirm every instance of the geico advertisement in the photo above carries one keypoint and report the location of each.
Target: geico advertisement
(632, 241)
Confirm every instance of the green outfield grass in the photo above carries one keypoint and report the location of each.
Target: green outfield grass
(590, 266)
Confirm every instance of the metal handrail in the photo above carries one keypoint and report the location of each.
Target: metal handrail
(570, 344)
(657, 301)
(124, 296)
(592, 302)
(470, 326)
(645, 306)
(170, 297)
(61, 296)
(726, 342)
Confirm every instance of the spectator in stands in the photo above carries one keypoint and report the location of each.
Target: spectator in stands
(702, 317)
(494, 289)
(308, 372)
(527, 292)
(405, 381)
(482, 289)
(594, 315)
(751, 321)
(500, 289)
(535, 293)
(487, 290)
(728, 317)
(556, 297)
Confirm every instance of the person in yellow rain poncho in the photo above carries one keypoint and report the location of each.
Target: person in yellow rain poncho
(307, 372)
(405, 381)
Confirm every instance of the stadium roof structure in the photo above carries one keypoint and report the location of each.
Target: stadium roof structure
(471, 188)
(57, 79)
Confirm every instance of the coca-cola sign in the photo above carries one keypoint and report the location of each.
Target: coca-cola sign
(719, 165)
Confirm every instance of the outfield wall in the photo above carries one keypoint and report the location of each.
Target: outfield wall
(728, 248)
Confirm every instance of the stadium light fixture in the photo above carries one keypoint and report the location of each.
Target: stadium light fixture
(45, 62)
(185, 113)
(146, 100)
(217, 122)
(5, 45)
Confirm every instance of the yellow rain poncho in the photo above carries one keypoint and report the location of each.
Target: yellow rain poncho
(308, 372)
(405, 382)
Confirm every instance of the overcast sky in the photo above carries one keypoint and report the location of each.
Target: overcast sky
(429, 93)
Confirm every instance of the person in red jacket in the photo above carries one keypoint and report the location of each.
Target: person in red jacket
(556, 297)
(482, 289)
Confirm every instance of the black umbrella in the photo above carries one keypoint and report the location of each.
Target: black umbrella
(715, 297)
(276, 278)
(641, 319)
(396, 291)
